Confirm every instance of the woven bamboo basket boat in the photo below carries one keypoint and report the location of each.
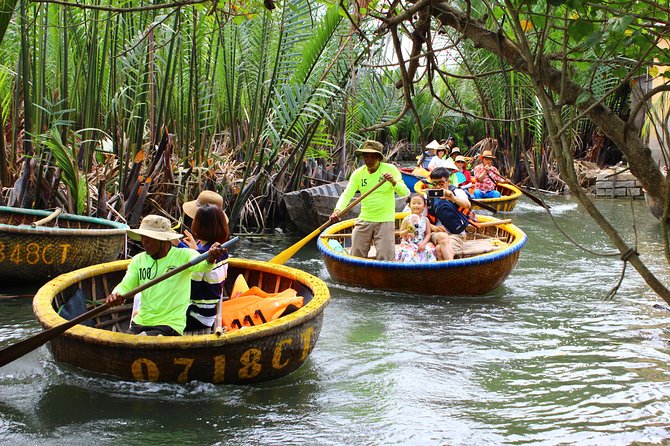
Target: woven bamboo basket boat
(252, 354)
(490, 254)
(509, 195)
(64, 244)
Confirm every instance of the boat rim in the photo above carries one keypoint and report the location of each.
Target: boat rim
(115, 228)
(48, 317)
(514, 196)
(520, 240)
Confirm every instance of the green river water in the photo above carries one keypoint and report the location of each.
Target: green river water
(541, 360)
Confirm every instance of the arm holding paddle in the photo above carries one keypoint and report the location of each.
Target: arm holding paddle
(216, 251)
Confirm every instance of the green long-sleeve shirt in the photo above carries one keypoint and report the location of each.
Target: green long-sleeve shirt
(379, 206)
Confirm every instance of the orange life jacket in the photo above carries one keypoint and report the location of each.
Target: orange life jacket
(248, 307)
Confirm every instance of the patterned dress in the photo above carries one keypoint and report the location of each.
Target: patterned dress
(409, 245)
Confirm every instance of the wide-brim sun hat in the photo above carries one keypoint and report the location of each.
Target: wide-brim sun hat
(206, 197)
(370, 146)
(450, 164)
(487, 154)
(440, 148)
(156, 227)
(455, 150)
(460, 158)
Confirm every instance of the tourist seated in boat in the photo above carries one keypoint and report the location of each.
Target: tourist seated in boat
(449, 143)
(415, 244)
(463, 175)
(210, 225)
(376, 222)
(440, 159)
(486, 176)
(448, 210)
(454, 153)
(163, 308)
(205, 197)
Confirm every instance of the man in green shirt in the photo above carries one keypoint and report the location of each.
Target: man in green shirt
(164, 305)
(376, 222)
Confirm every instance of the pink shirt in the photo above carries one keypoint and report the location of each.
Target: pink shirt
(487, 183)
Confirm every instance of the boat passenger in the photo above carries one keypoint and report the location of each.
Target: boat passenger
(454, 153)
(376, 222)
(486, 176)
(205, 197)
(440, 159)
(163, 308)
(210, 225)
(415, 245)
(466, 184)
(448, 215)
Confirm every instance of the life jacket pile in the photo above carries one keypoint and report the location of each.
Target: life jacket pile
(248, 307)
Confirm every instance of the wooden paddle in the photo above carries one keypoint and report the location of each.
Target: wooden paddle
(483, 205)
(12, 352)
(523, 191)
(286, 254)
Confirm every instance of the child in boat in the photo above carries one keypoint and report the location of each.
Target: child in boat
(163, 308)
(415, 245)
(210, 225)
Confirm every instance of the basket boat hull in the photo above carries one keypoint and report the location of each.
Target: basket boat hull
(509, 196)
(476, 275)
(260, 353)
(44, 252)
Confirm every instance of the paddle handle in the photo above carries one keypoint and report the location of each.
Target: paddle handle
(359, 199)
(15, 351)
(483, 205)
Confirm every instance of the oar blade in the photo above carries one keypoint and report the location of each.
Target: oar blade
(289, 252)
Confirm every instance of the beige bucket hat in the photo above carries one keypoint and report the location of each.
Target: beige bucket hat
(155, 227)
(370, 146)
(487, 154)
(206, 197)
(455, 150)
(460, 158)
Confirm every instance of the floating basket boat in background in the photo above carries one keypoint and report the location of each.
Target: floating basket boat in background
(66, 243)
(310, 208)
(509, 195)
(490, 253)
(251, 354)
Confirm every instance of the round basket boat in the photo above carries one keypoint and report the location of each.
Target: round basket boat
(509, 195)
(251, 354)
(489, 255)
(64, 244)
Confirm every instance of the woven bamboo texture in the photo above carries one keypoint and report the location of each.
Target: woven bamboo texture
(249, 355)
(475, 275)
(67, 243)
(509, 196)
